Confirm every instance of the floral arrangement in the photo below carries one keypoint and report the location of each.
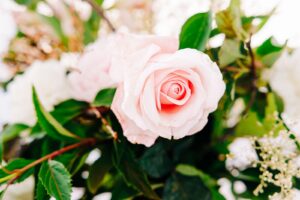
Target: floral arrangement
(94, 101)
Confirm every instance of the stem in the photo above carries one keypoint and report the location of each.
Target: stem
(6, 178)
(17, 173)
(101, 13)
(105, 123)
(254, 76)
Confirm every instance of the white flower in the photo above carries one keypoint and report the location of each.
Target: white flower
(170, 15)
(225, 188)
(284, 80)
(21, 191)
(8, 27)
(242, 154)
(49, 78)
(282, 142)
(5, 72)
(296, 194)
(234, 115)
(293, 195)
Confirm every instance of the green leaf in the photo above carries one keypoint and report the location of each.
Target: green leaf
(269, 52)
(53, 128)
(229, 21)
(99, 2)
(31, 4)
(10, 132)
(127, 165)
(99, 169)
(41, 192)
(56, 179)
(63, 113)
(195, 32)
(271, 109)
(68, 110)
(272, 121)
(188, 170)
(268, 47)
(121, 190)
(23, 2)
(158, 155)
(91, 28)
(208, 181)
(17, 164)
(271, 58)
(250, 126)
(229, 52)
(180, 187)
(73, 161)
(250, 27)
(104, 97)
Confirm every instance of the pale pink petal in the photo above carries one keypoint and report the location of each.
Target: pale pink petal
(128, 44)
(130, 130)
(130, 105)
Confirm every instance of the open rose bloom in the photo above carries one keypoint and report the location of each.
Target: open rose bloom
(168, 95)
(161, 91)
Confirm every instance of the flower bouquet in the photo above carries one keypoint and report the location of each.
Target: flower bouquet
(96, 104)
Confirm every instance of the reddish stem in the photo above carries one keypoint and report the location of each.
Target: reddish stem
(89, 141)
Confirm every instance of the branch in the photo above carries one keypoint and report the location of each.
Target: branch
(254, 76)
(101, 13)
(17, 173)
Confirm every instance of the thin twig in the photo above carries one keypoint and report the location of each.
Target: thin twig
(101, 13)
(254, 77)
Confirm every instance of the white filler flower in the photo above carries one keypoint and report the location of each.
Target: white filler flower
(49, 78)
(8, 26)
(284, 79)
(242, 154)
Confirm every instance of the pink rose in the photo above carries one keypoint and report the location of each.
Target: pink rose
(168, 95)
(102, 64)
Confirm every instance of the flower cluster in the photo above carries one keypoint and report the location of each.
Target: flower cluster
(276, 158)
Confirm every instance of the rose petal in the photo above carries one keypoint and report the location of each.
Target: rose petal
(131, 131)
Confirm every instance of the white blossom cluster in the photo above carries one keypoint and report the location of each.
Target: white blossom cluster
(50, 80)
(276, 157)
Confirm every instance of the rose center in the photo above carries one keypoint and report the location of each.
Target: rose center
(174, 91)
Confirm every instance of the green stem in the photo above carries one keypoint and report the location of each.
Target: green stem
(6, 178)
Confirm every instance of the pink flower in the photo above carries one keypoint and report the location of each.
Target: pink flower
(103, 63)
(166, 94)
